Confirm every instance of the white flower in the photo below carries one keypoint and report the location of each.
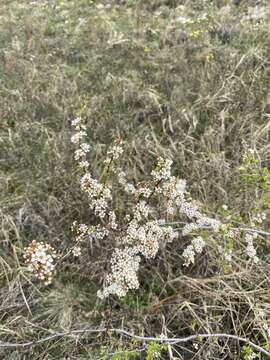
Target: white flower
(163, 170)
(112, 220)
(84, 164)
(143, 191)
(189, 227)
(198, 244)
(169, 234)
(85, 147)
(228, 255)
(189, 255)
(141, 210)
(76, 121)
(78, 136)
(123, 276)
(79, 154)
(122, 178)
(250, 249)
(76, 251)
(114, 152)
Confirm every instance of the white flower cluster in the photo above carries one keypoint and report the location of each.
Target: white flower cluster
(81, 231)
(149, 237)
(162, 170)
(114, 152)
(146, 238)
(98, 194)
(143, 191)
(77, 123)
(40, 258)
(174, 191)
(141, 210)
(77, 139)
(122, 179)
(196, 247)
(258, 219)
(228, 255)
(124, 268)
(143, 240)
(198, 244)
(81, 153)
(250, 249)
(112, 220)
(77, 251)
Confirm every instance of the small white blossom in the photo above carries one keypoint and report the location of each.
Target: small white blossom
(228, 255)
(163, 170)
(84, 164)
(79, 154)
(78, 136)
(85, 147)
(250, 249)
(169, 234)
(114, 152)
(112, 220)
(196, 247)
(77, 251)
(189, 227)
(141, 210)
(198, 244)
(189, 255)
(143, 191)
(76, 121)
(122, 178)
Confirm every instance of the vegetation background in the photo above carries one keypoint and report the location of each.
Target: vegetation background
(188, 80)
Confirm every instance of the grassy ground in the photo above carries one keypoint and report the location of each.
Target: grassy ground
(197, 92)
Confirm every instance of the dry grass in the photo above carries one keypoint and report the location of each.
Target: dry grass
(198, 98)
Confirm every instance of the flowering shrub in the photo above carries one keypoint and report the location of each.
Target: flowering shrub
(140, 234)
(143, 230)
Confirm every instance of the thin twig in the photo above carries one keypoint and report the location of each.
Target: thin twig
(171, 341)
(258, 231)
